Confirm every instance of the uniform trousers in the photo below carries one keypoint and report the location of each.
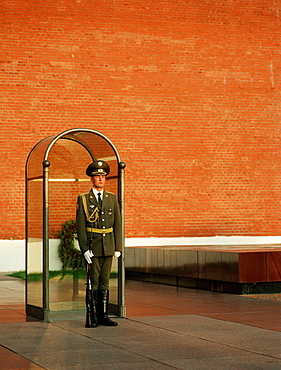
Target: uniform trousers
(101, 272)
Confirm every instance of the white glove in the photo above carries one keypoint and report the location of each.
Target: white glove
(117, 254)
(88, 254)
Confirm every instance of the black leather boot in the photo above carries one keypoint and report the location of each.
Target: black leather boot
(103, 318)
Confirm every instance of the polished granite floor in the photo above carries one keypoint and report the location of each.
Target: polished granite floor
(166, 327)
(146, 299)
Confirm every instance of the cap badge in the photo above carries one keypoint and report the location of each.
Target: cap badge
(100, 164)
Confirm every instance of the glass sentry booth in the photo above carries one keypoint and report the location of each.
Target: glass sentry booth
(55, 176)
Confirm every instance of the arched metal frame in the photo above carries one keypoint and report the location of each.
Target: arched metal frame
(41, 151)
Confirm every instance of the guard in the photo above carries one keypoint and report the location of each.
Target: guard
(99, 232)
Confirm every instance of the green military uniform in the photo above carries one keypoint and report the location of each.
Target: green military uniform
(99, 230)
(103, 244)
(104, 234)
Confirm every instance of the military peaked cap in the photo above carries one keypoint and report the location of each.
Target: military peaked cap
(98, 168)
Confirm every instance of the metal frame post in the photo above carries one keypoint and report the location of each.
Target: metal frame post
(46, 294)
(121, 260)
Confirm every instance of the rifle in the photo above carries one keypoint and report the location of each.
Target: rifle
(91, 314)
(91, 320)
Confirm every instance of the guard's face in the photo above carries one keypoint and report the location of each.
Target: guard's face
(98, 181)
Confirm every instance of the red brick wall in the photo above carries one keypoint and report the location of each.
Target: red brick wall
(189, 92)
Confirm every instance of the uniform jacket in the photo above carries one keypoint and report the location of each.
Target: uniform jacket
(109, 216)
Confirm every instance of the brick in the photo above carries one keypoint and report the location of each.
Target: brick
(187, 91)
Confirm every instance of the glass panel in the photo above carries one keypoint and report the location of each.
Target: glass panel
(34, 165)
(35, 243)
(113, 283)
(67, 180)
